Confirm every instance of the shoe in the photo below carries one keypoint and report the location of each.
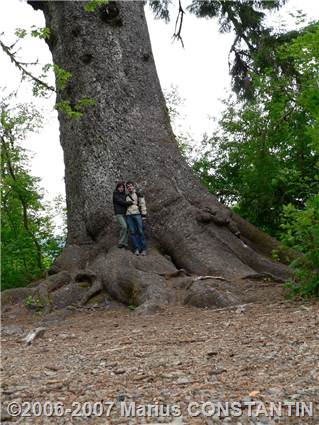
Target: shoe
(136, 252)
(143, 253)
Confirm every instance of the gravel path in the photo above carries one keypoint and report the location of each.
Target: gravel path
(168, 363)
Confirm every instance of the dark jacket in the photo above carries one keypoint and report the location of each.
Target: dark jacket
(119, 202)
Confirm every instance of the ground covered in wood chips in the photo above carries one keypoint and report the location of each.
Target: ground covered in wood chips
(236, 365)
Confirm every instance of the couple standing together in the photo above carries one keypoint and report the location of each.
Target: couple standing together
(130, 211)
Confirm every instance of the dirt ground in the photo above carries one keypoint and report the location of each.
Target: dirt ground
(179, 366)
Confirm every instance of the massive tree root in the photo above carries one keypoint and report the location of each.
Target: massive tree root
(145, 284)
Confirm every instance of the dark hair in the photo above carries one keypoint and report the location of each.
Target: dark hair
(129, 182)
(119, 184)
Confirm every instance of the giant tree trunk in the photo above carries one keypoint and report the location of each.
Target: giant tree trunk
(128, 135)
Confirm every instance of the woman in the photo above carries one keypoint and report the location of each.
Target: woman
(120, 207)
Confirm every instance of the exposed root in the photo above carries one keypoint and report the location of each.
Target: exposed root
(39, 290)
(145, 283)
(210, 293)
(96, 284)
(264, 276)
(45, 287)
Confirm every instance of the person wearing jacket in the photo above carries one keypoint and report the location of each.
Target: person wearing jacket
(135, 214)
(120, 206)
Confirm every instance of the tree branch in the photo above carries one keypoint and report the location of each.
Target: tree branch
(179, 23)
(22, 68)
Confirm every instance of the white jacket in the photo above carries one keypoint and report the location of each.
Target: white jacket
(139, 205)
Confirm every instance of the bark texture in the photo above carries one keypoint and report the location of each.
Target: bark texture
(127, 135)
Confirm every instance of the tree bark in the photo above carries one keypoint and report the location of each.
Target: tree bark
(127, 135)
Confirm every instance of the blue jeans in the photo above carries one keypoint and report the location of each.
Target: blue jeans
(136, 227)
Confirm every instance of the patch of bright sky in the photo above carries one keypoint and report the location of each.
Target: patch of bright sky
(200, 71)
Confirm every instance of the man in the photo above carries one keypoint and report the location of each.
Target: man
(135, 214)
(120, 206)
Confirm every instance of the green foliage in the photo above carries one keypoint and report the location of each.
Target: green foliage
(91, 5)
(265, 153)
(40, 84)
(28, 241)
(42, 33)
(84, 103)
(161, 9)
(77, 111)
(61, 75)
(36, 32)
(263, 161)
(66, 108)
(34, 303)
(21, 32)
(301, 232)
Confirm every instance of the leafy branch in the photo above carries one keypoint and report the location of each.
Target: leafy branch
(22, 67)
(40, 86)
(75, 111)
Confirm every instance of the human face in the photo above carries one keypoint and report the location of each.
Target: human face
(120, 188)
(130, 187)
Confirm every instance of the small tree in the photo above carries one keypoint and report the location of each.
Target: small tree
(28, 241)
(301, 232)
